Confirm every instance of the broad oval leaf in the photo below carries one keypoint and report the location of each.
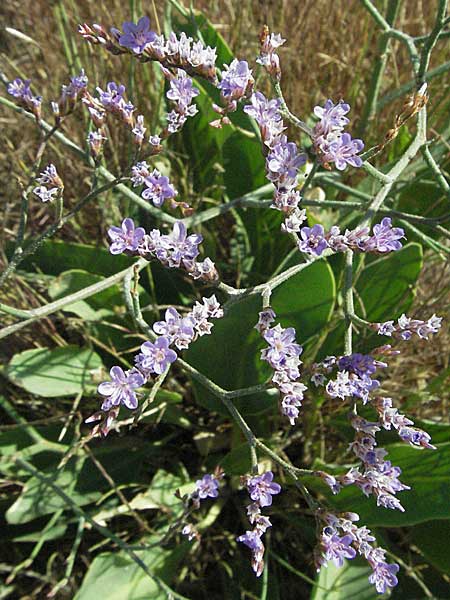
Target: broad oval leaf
(54, 372)
(231, 355)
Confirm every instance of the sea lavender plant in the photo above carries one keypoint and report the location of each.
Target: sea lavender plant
(353, 378)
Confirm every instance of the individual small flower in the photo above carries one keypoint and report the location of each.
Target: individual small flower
(293, 222)
(44, 194)
(112, 97)
(312, 240)
(261, 488)
(281, 345)
(335, 547)
(126, 237)
(332, 118)
(182, 90)
(49, 176)
(385, 238)
(266, 318)
(70, 94)
(139, 172)
(252, 539)
(120, 390)
(137, 37)
(384, 574)
(95, 140)
(344, 151)
(207, 487)
(155, 357)
(139, 130)
(158, 188)
(190, 531)
(20, 89)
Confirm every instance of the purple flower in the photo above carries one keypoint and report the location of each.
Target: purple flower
(331, 117)
(139, 130)
(252, 539)
(112, 97)
(282, 345)
(182, 90)
(180, 331)
(385, 238)
(207, 487)
(44, 194)
(312, 240)
(265, 318)
(20, 88)
(120, 390)
(384, 576)
(261, 488)
(158, 188)
(178, 246)
(137, 37)
(155, 357)
(343, 151)
(49, 176)
(360, 364)
(125, 237)
(139, 172)
(336, 548)
(283, 163)
(235, 80)
(77, 84)
(267, 115)
(386, 328)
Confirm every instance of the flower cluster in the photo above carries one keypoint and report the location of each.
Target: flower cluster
(261, 488)
(353, 377)
(174, 52)
(268, 57)
(20, 89)
(282, 354)
(50, 184)
(378, 476)
(341, 540)
(331, 144)
(157, 189)
(236, 82)
(154, 358)
(206, 487)
(384, 239)
(406, 327)
(181, 93)
(390, 417)
(70, 94)
(283, 159)
(173, 250)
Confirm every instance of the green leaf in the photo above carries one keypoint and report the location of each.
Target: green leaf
(56, 372)
(80, 479)
(231, 355)
(432, 540)
(384, 290)
(425, 471)
(116, 576)
(349, 582)
(55, 256)
(385, 285)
